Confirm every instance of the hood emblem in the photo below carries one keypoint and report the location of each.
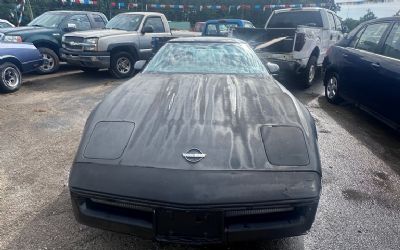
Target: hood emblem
(193, 155)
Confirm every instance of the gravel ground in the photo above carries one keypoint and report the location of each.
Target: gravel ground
(41, 125)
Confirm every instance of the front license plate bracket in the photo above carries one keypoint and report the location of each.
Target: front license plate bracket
(184, 225)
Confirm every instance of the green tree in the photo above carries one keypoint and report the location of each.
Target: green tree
(350, 23)
(368, 16)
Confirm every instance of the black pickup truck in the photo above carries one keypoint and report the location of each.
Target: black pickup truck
(46, 31)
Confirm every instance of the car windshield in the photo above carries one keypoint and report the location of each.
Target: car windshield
(206, 58)
(292, 19)
(48, 20)
(126, 22)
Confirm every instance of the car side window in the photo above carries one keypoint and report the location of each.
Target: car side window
(81, 21)
(372, 35)
(392, 44)
(212, 29)
(338, 23)
(331, 21)
(156, 23)
(99, 21)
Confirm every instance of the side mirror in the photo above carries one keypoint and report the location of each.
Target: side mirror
(147, 29)
(273, 68)
(139, 65)
(70, 27)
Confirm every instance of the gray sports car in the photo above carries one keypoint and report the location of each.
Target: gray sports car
(203, 146)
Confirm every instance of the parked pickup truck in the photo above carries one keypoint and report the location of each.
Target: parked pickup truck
(126, 39)
(295, 39)
(46, 30)
(222, 27)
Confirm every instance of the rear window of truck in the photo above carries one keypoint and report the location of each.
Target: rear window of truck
(292, 19)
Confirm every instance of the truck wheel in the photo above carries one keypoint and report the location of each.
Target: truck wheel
(332, 88)
(122, 64)
(10, 77)
(310, 72)
(51, 62)
(87, 69)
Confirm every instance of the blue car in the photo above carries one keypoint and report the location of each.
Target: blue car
(222, 27)
(364, 68)
(15, 59)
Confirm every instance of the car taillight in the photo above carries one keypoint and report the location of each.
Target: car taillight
(300, 41)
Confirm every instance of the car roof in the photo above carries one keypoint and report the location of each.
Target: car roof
(73, 11)
(390, 19)
(202, 39)
(143, 13)
(301, 9)
(227, 20)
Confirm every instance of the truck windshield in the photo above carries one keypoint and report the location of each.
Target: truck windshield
(292, 19)
(48, 20)
(206, 58)
(126, 22)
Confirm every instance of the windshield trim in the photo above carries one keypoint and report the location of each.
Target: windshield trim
(255, 75)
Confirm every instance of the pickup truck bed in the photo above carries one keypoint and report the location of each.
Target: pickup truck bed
(295, 39)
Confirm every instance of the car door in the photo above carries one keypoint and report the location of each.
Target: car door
(332, 33)
(387, 86)
(359, 59)
(339, 28)
(145, 39)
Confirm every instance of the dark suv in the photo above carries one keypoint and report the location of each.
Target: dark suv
(364, 68)
(46, 30)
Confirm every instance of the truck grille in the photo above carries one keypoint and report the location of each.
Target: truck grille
(73, 43)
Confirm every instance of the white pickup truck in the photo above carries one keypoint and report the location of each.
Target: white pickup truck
(126, 39)
(295, 39)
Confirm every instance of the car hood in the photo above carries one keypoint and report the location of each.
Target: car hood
(220, 115)
(98, 33)
(26, 30)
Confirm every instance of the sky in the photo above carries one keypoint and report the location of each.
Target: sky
(384, 9)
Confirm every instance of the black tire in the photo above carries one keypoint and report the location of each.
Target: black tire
(310, 72)
(85, 69)
(332, 89)
(10, 77)
(51, 62)
(122, 64)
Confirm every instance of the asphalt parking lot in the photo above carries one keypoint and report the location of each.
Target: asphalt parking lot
(41, 125)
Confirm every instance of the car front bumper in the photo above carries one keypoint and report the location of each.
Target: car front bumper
(99, 60)
(194, 207)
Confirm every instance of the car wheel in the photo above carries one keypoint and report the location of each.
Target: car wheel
(51, 62)
(332, 88)
(122, 65)
(10, 78)
(89, 69)
(310, 72)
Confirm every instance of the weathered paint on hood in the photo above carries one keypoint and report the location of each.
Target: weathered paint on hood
(98, 33)
(219, 114)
